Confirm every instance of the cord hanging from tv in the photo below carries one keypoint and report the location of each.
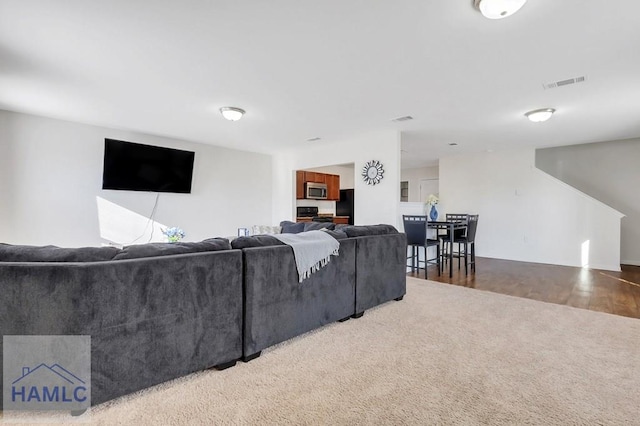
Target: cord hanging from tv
(132, 166)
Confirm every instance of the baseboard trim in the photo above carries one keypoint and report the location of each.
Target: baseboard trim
(605, 267)
(614, 268)
(630, 262)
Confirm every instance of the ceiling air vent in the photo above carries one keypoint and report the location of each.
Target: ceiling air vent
(405, 118)
(566, 82)
(313, 139)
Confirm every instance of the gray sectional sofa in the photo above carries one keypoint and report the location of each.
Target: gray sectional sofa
(154, 312)
(161, 311)
(277, 307)
(369, 271)
(380, 267)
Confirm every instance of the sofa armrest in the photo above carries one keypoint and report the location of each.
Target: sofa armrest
(380, 269)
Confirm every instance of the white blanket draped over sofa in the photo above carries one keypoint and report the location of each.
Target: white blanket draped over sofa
(312, 250)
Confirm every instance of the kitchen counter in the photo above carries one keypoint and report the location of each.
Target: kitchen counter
(336, 219)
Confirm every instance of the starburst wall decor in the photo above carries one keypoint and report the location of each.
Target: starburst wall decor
(372, 172)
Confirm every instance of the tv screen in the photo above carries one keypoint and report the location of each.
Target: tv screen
(136, 167)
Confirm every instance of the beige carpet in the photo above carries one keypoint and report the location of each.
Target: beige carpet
(443, 355)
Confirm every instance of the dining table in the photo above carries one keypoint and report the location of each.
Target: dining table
(450, 227)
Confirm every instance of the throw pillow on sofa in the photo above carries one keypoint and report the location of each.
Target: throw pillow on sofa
(316, 226)
(289, 227)
(265, 230)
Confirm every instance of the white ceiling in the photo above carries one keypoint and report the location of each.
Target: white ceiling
(329, 69)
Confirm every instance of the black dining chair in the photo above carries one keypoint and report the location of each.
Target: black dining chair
(415, 227)
(467, 244)
(458, 233)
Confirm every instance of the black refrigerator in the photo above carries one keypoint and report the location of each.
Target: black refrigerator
(344, 207)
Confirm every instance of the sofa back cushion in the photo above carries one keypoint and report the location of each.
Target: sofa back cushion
(166, 249)
(338, 235)
(365, 230)
(268, 240)
(21, 253)
(255, 241)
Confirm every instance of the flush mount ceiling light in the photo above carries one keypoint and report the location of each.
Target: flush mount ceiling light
(232, 113)
(540, 115)
(498, 9)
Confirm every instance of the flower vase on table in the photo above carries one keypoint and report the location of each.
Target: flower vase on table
(432, 200)
(433, 213)
(173, 234)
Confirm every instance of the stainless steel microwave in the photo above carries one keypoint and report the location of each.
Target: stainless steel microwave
(315, 191)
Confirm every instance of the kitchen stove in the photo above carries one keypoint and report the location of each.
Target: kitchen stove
(306, 211)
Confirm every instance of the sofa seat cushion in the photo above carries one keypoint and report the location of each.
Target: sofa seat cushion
(21, 253)
(166, 249)
(365, 230)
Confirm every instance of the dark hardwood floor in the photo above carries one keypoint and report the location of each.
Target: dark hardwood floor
(612, 292)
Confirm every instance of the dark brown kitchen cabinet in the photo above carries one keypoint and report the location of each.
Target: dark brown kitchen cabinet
(314, 177)
(333, 187)
(299, 185)
(332, 182)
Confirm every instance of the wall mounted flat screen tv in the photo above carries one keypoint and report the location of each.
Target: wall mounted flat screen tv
(136, 167)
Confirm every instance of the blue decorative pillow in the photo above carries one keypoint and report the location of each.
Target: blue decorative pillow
(315, 226)
(291, 227)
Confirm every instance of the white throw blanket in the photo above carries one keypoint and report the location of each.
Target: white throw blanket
(312, 250)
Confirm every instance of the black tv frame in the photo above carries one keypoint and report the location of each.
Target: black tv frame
(130, 166)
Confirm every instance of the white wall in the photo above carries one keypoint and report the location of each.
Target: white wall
(527, 215)
(608, 171)
(52, 192)
(413, 176)
(373, 203)
(346, 173)
(6, 215)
